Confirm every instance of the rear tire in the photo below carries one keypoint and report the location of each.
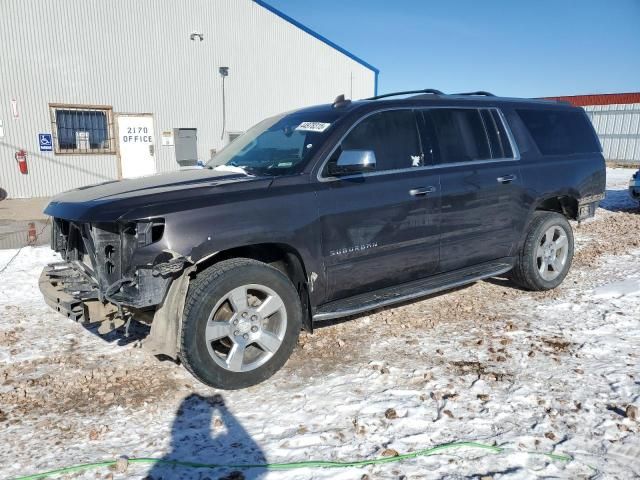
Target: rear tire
(546, 254)
(241, 323)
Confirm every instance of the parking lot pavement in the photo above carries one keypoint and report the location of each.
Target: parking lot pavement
(22, 222)
(23, 209)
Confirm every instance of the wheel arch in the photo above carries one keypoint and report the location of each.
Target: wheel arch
(523, 272)
(282, 256)
(167, 319)
(565, 204)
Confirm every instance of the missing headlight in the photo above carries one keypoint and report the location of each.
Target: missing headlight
(149, 232)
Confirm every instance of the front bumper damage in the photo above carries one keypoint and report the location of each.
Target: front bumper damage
(73, 294)
(110, 273)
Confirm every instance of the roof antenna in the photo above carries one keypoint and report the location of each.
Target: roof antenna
(340, 101)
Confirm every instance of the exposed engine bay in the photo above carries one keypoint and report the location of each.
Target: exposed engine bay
(102, 278)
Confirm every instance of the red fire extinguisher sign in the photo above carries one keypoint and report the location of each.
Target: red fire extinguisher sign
(21, 158)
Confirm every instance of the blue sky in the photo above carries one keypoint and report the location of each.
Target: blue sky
(512, 48)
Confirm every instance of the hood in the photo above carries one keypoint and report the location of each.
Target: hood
(149, 196)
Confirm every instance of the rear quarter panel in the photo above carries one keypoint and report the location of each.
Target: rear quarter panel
(544, 177)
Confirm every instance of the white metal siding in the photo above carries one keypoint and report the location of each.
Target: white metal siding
(618, 127)
(137, 57)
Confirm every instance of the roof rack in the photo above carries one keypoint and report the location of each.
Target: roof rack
(432, 91)
(479, 92)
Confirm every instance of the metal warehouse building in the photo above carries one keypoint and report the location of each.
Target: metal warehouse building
(92, 91)
(616, 118)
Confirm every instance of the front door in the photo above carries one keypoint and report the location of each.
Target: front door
(136, 145)
(380, 228)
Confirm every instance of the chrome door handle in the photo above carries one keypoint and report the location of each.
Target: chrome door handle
(506, 179)
(421, 191)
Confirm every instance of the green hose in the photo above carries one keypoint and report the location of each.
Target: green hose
(292, 465)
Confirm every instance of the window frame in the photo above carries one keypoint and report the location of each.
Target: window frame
(110, 118)
(435, 165)
(333, 150)
(511, 139)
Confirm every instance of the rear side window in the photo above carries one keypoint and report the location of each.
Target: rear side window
(498, 138)
(461, 135)
(557, 132)
(393, 137)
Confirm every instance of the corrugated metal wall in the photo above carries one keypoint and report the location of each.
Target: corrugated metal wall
(138, 58)
(618, 127)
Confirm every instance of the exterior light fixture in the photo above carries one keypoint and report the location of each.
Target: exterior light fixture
(224, 73)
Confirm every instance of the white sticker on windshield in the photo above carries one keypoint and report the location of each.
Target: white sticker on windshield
(313, 126)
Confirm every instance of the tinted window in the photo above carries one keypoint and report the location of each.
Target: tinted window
(497, 151)
(498, 138)
(502, 135)
(427, 138)
(461, 135)
(520, 133)
(560, 132)
(392, 136)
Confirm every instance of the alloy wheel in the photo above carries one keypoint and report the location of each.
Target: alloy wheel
(552, 253)
(246, 327)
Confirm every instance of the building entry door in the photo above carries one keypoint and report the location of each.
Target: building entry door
(136, 144)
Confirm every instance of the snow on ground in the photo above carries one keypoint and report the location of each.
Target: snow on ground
(532, 372)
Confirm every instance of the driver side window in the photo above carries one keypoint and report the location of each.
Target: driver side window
(391, 135)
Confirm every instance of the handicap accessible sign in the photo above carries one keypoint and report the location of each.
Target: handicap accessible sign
(46, 142)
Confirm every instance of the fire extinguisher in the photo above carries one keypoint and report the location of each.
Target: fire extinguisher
(21, 158)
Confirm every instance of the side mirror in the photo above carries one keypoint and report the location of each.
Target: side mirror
(353, 161)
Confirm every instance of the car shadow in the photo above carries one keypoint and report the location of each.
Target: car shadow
(505, 281)
(205, 432)
(619, 201)
(122, 335)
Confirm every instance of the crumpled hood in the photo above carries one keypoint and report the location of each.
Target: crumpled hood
(149, 196)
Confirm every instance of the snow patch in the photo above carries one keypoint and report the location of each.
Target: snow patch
(628, 288)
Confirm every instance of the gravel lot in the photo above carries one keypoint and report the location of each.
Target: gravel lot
(531, 373)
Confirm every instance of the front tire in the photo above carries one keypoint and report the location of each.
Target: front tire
(241, 323)
(545, 257)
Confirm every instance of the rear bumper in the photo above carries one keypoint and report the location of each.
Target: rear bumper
(587, 206)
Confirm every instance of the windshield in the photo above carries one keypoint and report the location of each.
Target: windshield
(279, 145)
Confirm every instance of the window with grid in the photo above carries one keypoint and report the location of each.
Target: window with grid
(79, 129)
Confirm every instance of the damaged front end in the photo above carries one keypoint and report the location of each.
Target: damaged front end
(111, 272)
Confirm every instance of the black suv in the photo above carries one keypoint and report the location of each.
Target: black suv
(327, 212)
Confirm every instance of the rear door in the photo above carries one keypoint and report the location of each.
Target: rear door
(481, 186)
(380, 228)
